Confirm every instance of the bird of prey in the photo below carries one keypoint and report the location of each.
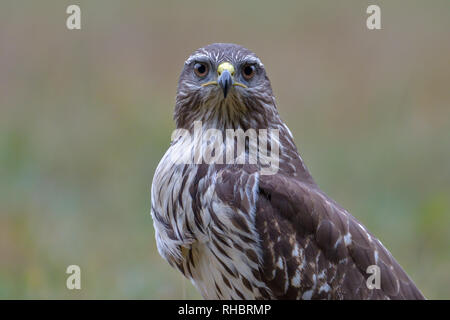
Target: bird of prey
(240, 231)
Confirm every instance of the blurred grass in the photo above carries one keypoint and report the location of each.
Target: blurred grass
(86, 116)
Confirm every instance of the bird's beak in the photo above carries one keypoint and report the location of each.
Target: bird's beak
(225, 73)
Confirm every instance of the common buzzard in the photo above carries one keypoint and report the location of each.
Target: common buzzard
(252, 223)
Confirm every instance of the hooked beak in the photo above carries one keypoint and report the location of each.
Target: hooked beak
(225, 71)
(225, 81)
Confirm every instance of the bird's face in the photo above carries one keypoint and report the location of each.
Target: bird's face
(227, 75)
(223, 77)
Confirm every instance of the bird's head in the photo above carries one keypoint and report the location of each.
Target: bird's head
(225, 84)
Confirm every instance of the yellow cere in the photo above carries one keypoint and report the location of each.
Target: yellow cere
(225, 66)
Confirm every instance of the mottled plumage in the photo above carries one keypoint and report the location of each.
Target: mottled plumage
(237, 233)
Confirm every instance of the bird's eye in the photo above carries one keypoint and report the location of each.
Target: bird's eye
(201, 69)
(248, 71)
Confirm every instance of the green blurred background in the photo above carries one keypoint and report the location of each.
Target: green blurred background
(86, 116)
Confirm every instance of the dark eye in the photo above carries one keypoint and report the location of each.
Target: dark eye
(248, 71)
(201, 69)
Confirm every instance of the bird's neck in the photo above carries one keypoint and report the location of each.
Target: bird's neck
(213, 125)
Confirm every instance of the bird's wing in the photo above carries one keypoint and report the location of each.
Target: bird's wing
(313, 248)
